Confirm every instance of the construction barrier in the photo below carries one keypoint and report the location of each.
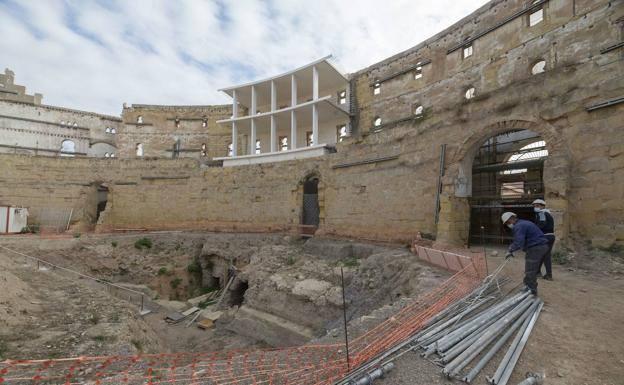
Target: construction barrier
(305, 365)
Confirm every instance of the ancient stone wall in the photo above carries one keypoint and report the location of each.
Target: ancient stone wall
(14, 92)
(382, 182)
(157, 128)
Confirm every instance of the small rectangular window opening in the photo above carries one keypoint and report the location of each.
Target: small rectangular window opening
(376, 88)
(258, 147)
(467, 51)
(230, 150)
(418, 72)
(341, 132)
(536, 17)
(309, 139)
(342, 97)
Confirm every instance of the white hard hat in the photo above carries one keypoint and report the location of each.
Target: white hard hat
(506, 215)
(539, 202)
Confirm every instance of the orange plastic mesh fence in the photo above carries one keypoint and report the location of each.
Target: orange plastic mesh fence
(305, 365)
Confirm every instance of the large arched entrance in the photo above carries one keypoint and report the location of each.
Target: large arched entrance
(507, 175)
(458, 224)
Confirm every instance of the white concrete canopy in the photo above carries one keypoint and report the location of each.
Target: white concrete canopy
(330, 80)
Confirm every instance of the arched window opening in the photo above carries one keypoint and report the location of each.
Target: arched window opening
(418, 111)
(507, 175)
(113, 130)
(538, 67)
(377, 121)
(68, 147)
(106, 155)
(342, 97)
(108, 130)
(377, 88)
(63, 123)
(341, 133)
(112, 155)
(75, 124)
(470, 93)
(139, 149)
(418, 72)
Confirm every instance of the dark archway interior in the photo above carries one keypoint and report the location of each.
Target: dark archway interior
(237, 295)
(311, 208)
(102, 200)
(507, 175)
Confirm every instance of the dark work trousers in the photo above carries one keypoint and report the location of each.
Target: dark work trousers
(548, 258)
(532, 263)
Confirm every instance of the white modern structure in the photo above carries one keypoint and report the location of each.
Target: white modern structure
(298, 114)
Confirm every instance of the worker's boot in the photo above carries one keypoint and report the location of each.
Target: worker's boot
(547, 277)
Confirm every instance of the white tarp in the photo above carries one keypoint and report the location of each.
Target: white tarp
(13, 219)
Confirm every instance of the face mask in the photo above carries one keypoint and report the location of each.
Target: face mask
(511, 225)
(537, 209)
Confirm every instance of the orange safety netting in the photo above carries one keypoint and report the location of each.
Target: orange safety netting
(305, 365)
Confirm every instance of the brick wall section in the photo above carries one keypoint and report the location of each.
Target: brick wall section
(158, 132)
(393, 198)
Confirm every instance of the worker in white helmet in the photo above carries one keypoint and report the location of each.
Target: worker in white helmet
(545, 221)
(528, 237)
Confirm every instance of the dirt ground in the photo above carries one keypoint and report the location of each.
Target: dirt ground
(578, 338)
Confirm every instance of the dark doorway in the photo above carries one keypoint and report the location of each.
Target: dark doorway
(507, 175)
(102, 199)
(237, 293)
(311, 208)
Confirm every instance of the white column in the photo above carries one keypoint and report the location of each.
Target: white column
(315, 83)
(234, 104)
(315, 129)
(234, 139)
(234, 128)
(315, 95)
(254, 108)
(273, 122)
(293, 114)
(252, 137)
(254, 96)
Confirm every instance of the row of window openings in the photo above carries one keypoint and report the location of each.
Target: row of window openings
(68, 124)
(537, 68)
(535, 17)
(341, 134)
(139, 150)
(176, 121)
(111, 130)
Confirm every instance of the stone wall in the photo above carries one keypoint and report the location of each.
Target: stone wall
(382, 184)
(14, 92)
(158, 128)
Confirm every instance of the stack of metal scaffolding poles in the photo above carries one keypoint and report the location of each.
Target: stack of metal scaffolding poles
(487, 336)
(465, 306)
(513, 354)
(494, 349)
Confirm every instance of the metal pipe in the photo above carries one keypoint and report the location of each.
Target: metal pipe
(488, 356)
(512, 348)
(514, 358)
(458, 317)
(446, 342)
(368, 378)
(453, 368)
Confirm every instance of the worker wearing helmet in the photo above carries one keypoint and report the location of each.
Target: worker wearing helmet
(545, 221)
(528, 237)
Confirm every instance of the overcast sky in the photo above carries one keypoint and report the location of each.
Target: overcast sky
(96, 55)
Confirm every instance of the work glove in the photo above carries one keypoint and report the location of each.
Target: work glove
(509, 255)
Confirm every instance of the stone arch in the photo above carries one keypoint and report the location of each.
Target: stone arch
(457, 182)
